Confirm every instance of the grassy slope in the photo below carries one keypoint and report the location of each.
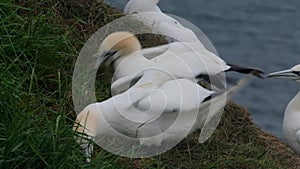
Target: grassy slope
(39, 44)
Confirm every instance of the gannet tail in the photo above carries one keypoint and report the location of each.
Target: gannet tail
(215, 107)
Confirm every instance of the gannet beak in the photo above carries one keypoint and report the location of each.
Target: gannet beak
(290, 74)
(101, 58)
(99, 61)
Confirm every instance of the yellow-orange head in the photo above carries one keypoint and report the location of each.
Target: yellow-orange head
(117, 45)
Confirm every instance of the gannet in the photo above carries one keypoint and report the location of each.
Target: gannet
(192, 61)
(167, 114)
(150, 14)
(291, 119)
(136, 6)
(89, 121)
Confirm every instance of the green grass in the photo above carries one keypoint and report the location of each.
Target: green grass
(40, 41)
(37, 55)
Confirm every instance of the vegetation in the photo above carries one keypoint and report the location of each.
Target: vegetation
(40, 41)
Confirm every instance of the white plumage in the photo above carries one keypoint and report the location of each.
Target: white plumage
(291, 119)
(136, 6)
(168, 113)
(150, 14)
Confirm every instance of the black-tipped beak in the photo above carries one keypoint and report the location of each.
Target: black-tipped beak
(290, 74)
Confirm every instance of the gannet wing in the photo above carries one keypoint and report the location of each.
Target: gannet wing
(153, 52)
(194, 58)
(177, 32)
(124, 83)
(176, 95)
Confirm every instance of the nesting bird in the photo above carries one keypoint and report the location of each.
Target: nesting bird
(291, 119)
(123, 51)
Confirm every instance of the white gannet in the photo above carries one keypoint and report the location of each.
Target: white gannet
(291, 119)
(89, 120)
(192, 61)
(136, 6)
(150, 14)
(172, 111)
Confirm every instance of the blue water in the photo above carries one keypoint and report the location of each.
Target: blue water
(258, 33)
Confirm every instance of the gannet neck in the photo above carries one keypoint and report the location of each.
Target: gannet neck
(293, 108)
(291, 125)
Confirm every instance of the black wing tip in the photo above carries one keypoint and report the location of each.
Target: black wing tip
(245, 70)
(258, 73)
